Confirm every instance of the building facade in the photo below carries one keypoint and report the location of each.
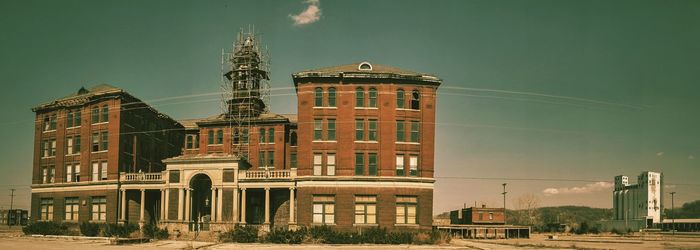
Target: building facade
(359, 153)
(14, 217)
(640, 201)
(478, 216)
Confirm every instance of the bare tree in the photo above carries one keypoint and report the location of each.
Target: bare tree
(528, 204)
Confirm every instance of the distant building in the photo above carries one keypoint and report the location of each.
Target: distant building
(14, 217)
(641, 200)
(636, 206)
(478, 216)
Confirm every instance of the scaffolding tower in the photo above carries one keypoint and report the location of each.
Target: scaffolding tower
(245, 86)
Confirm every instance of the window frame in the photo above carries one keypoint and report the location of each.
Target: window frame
(331, 97)
(325, 203)
(71, 208)
(359, 97)
(403, 204)
(372, 98)
(365, 202)
(400, 99)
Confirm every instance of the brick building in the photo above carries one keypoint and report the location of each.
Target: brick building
(478, 216)
(359, 153)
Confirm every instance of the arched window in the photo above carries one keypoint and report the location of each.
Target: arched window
(318, 97)
(331, 97)
(400, 102)
(219, 136)
(415, 100)
(359, 97)
(210, 137)
(373, 97)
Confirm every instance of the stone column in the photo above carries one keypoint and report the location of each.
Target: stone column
(188, 197)
(235, 205)
(143, 205)
(123, 212)
(180, 203)
(291, 206)
(212, 204)
(219, 205)
(242, 205)
(267, 205)
(162, 204)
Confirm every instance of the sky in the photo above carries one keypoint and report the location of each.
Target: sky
(553, 98)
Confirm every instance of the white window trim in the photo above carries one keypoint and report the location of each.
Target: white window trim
(324, 107)
(100, 123)
(408, 143)
(405, 109)
(320, 141)
(366, 141)
(372, 108)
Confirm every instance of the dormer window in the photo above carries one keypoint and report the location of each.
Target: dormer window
(365, 66)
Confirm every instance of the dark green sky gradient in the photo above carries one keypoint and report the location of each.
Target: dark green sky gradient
(638, 53)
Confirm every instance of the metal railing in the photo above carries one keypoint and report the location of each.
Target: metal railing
(155, 177)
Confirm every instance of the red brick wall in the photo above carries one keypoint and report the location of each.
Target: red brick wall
(345, 205)
(84, 212)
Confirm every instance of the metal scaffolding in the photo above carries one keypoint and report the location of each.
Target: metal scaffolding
(245, 86)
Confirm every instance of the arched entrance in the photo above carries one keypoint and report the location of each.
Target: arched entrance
(201, 202)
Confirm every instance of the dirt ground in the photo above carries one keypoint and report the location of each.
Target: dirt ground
(14, 239)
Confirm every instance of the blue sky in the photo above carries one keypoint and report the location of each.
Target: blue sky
(577, 91)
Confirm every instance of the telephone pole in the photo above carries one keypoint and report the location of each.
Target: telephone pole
(504, 202)
(673, 215)
(12, 201)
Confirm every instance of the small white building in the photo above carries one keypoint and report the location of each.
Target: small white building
(640, 201)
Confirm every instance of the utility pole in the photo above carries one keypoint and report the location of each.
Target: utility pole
(673, 215)
(12, 201)
(504, 202)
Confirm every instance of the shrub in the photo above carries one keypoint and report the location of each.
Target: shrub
(119, 230)
(46, 228)
(152, 231)
(240, 234)
(374, 235)
(321, 233)
(284, 236)
(400, 237)
(440, 237)
(343, 238)
(89, 229)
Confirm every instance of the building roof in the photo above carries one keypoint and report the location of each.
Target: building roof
(366, 70)
(83, 96)
(268, 117)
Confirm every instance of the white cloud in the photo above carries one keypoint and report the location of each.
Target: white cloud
(588, 188)
(310, 15)
(660, 154)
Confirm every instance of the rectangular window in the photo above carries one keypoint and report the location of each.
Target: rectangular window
(219, 136)
(77, 121)
(44, 174)
(103, 141)
(52, 174)
(69, 172)
(330, 164)
(293, 160)
(103, 170)
(52, 125)
(76, 144)
(414, 131)
(71, 208)
(400, 131)
(69, 146)
(365, 209)
(46, 209)
(52, 151)
(490, 216)
(318, 164)
(359, 97)
(261, 159)
(323, 209)
(413, 163)
(245, 136)
(406, 209)
(46, 123)
(76, 172)
(69, 119)
(359, 164)
(373, 98)
(331, 97)
(95, 115)
(372, 130)
(372, 163)
(45, 148)
(359, 130)
(318, 97)
(99, 208)
(105, 114)
(189, 142)
(331, 129)
(400, 103)
(271, 135)
(95, 142)
(399, 166)
(271, 159)
(95, 171)
(210, 137)
(318, 130)
(261, 135)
